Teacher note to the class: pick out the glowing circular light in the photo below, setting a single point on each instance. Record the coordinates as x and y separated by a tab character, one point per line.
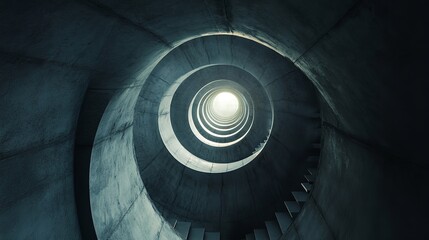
220	115
225	105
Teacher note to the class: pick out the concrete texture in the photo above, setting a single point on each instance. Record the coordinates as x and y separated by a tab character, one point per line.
232	202
69	66
118	197
37	137
261	122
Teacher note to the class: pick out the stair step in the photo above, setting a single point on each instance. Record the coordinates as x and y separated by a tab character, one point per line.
312	171
261	234
212	236
273	230
183	229
284	221
293	208
307	186
250	236
196	234
300	197
310	178
172	222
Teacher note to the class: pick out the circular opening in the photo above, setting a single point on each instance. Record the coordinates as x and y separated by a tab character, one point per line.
220	114
223	113
225	105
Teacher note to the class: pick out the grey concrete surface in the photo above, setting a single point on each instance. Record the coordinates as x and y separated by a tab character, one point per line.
37	137
368	59
249	195
118	197
184	95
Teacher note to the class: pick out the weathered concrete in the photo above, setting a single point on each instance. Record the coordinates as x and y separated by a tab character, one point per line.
119	203
37	137
249	195
368	59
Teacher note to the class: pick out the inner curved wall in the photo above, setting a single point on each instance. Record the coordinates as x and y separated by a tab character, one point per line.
116	185
357	53
245	197
192	143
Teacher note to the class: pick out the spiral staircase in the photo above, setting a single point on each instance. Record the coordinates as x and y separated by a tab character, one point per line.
273	229
114	124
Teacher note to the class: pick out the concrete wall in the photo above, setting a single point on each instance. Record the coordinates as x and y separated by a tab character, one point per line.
234	202
372	158
39	105
367	58
120	205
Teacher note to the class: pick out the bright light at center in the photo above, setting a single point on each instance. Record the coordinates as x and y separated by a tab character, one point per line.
225	104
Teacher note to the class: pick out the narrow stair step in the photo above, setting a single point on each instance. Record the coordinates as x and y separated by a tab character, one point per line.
212	236
293	208
273	230
284	221
196	234
250	236
312	171
300	197
173	222
310	178
307	186
261	234
183	229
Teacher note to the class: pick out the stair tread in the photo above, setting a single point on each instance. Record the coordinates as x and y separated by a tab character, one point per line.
261	234
310	178
284	221
293	208
183	229
273	229
212	236
307	186
312	171
173	222
300	197
196	234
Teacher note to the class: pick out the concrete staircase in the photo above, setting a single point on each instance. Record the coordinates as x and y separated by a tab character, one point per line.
275	228
186	231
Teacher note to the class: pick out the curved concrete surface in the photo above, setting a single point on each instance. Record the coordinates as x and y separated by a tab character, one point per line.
71	72
232	202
